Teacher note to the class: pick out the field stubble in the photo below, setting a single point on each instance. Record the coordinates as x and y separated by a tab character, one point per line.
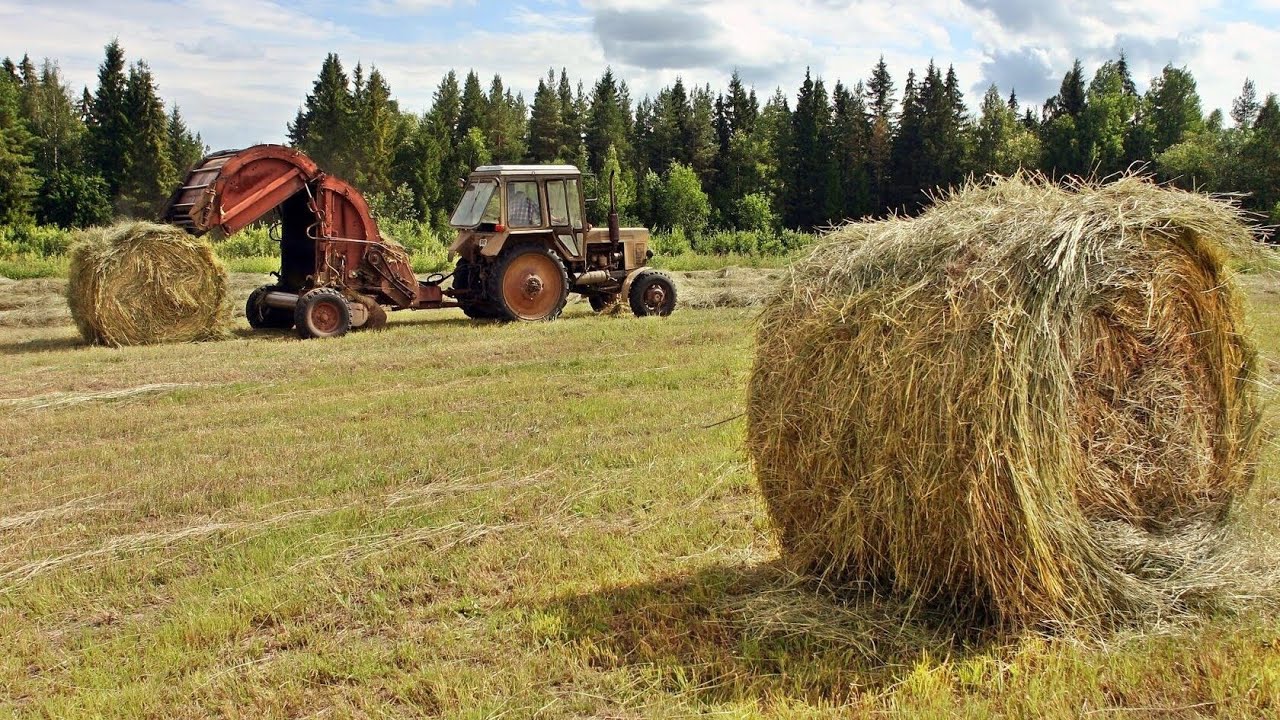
471	520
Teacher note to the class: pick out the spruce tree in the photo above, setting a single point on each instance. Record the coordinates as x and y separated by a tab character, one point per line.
850	141
1244	109
908	146
609	120
1110	111
1171	110
1066	142
323	127
376	125
150	176
185	149
879	93
108	124
506	123
474	111
809	169
17	177
546	128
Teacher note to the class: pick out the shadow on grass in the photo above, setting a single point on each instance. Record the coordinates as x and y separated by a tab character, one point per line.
757	632
42	345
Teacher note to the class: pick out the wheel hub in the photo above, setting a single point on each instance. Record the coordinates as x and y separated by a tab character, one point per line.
325	317
532	286
654	297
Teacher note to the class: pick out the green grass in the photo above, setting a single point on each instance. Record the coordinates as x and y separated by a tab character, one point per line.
472	520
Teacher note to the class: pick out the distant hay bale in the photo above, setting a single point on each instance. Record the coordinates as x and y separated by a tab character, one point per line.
1032	404
141	283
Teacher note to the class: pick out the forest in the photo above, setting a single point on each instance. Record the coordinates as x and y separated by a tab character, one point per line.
717	170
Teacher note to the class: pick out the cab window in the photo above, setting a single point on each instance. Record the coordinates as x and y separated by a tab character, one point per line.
575	205
523	208
558	203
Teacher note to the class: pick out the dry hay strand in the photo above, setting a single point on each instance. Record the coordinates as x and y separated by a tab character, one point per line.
1033	405
141	283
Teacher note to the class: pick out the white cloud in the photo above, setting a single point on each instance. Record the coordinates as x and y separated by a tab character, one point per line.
240	72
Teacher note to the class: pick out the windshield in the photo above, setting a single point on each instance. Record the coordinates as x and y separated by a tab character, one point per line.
475	201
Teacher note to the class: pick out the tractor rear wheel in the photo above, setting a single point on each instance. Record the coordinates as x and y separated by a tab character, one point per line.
264	317
652	293
529	283
322	313
602	301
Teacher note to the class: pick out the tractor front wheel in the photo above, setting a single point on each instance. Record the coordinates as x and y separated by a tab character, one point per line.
652	293
322	313
530	283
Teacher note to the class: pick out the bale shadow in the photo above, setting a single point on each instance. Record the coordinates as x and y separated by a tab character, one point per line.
42	345
759	633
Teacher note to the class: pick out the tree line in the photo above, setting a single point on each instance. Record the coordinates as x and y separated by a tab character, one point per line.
78	160
687	157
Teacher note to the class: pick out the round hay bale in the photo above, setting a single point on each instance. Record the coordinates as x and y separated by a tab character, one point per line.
1032	404
141	283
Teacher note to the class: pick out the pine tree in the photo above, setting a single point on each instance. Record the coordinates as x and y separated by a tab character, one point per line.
150	176
108	124
1260	158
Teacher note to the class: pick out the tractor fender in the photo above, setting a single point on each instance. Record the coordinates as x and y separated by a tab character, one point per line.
486	244
626	284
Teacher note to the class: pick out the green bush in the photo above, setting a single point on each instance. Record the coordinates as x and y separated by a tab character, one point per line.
251	242
44	241
672	243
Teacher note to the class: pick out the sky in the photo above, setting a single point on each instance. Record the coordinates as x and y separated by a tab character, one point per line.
239	71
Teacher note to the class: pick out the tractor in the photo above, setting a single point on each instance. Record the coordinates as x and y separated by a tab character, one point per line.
523	245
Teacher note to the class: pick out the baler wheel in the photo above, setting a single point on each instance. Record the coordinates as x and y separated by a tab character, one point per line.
264	317
322	313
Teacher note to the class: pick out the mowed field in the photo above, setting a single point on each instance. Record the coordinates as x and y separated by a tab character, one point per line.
475	520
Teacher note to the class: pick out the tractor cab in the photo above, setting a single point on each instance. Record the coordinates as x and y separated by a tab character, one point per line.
524	244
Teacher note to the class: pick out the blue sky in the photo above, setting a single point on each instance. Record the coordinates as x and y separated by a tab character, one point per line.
240	72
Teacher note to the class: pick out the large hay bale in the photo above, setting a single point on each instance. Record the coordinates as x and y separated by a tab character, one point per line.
141	283
1033	404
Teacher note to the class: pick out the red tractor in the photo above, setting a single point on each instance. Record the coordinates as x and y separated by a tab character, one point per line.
523	245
